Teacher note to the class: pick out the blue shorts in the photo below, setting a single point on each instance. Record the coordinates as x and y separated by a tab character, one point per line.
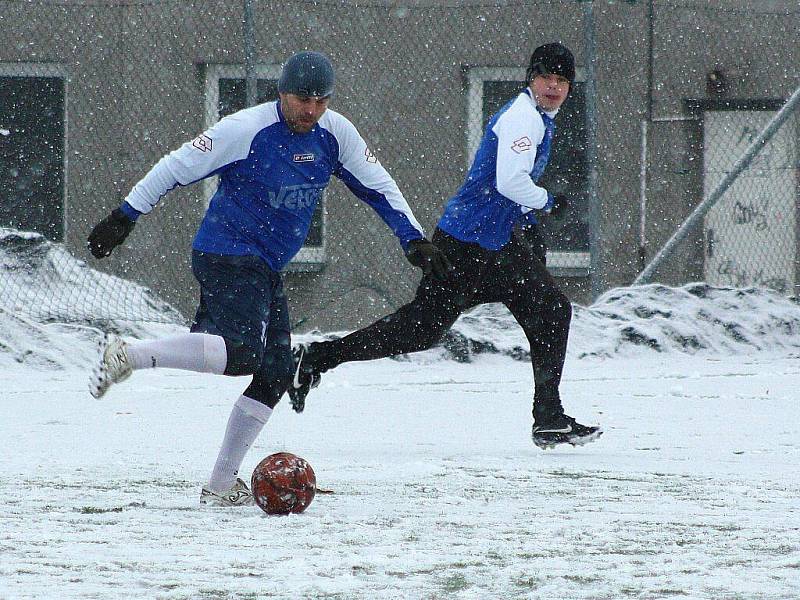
242	300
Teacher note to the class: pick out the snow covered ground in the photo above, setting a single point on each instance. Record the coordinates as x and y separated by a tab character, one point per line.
692	492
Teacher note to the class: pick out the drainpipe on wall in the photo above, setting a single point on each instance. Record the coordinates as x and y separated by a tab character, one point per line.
644	131
248	32
591	151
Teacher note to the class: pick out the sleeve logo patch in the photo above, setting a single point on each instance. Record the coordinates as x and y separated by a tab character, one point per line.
203	143
371	158
521	145
303	158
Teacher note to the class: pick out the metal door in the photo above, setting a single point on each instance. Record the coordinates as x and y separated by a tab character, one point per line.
750	234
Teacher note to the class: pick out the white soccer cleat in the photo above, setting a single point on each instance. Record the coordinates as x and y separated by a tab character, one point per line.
238	495
112	367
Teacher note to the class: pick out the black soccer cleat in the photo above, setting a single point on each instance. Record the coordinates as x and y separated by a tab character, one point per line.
563	429
305	378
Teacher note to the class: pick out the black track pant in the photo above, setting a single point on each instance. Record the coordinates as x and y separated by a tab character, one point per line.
515	275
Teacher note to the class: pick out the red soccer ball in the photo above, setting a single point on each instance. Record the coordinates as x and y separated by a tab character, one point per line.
283	483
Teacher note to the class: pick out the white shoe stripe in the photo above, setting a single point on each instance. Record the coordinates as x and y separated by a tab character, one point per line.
567	429
296	380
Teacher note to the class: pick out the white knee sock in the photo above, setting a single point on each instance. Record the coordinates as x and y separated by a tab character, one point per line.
199	352
247	419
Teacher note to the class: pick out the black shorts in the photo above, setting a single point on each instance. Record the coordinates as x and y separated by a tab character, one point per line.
242	300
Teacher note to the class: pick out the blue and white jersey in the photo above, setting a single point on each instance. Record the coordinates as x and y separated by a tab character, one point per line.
270	180
501	184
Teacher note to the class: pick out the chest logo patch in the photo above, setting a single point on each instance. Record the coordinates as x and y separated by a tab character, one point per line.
521	145
303	158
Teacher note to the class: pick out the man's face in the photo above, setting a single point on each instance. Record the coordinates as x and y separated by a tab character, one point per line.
549	91
303	112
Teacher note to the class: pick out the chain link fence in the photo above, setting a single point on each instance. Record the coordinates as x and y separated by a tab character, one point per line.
92	94
701	122
747	220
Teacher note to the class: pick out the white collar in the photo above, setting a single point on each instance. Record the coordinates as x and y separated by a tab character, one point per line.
550	113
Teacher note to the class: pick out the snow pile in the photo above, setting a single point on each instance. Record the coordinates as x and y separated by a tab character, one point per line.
42	280
690	319
53	309
24	341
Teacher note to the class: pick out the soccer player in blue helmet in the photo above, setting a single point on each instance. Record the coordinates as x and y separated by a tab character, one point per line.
492	262
273	162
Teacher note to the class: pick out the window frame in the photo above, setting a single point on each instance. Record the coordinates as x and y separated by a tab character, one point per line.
571	263
309	258
31	69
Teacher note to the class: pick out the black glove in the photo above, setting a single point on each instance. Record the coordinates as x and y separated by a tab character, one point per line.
558	212
110	233
423	254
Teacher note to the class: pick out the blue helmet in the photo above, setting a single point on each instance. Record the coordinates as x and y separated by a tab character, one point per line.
307	74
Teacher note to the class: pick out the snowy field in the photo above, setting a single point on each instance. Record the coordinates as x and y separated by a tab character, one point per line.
692	492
